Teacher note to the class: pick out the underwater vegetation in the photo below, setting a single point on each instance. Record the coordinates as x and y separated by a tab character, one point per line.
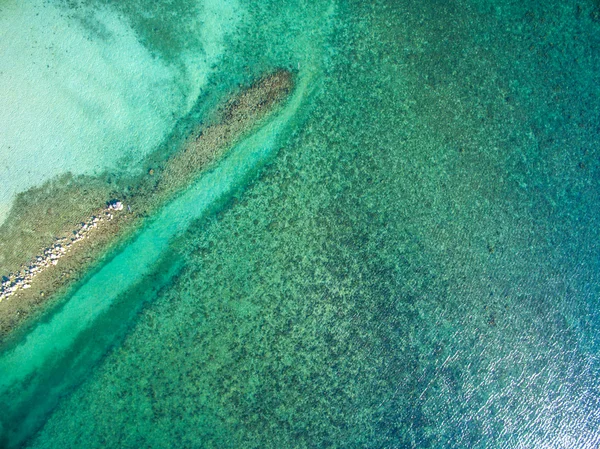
353	224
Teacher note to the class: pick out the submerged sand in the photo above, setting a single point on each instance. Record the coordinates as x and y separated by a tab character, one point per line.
57	232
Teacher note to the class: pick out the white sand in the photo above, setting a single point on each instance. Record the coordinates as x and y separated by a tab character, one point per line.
75	101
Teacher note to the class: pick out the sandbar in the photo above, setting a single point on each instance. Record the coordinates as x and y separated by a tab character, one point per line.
47	249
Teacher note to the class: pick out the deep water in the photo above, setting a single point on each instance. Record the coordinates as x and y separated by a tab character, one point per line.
411	260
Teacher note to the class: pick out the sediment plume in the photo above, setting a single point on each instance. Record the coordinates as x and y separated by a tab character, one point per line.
73	242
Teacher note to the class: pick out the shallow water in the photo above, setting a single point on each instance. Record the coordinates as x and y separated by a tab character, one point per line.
83	93
405	255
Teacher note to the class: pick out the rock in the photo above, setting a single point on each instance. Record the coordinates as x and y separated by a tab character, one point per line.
115	205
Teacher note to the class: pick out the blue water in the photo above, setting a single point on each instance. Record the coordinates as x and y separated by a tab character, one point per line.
405	255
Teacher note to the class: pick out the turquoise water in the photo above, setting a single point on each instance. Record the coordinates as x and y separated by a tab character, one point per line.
405	255
81	92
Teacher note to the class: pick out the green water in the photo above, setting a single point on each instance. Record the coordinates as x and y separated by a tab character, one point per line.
405	256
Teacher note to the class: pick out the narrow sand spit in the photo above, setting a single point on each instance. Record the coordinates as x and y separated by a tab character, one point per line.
68	253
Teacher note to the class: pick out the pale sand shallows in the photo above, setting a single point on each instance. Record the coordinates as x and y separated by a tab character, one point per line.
75	75
70	252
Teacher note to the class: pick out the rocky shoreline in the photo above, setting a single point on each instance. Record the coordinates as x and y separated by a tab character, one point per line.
21	280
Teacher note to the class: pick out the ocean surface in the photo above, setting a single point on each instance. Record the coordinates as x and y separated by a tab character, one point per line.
406	254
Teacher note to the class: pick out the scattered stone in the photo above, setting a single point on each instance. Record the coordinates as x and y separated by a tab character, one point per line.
115	205
50	256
